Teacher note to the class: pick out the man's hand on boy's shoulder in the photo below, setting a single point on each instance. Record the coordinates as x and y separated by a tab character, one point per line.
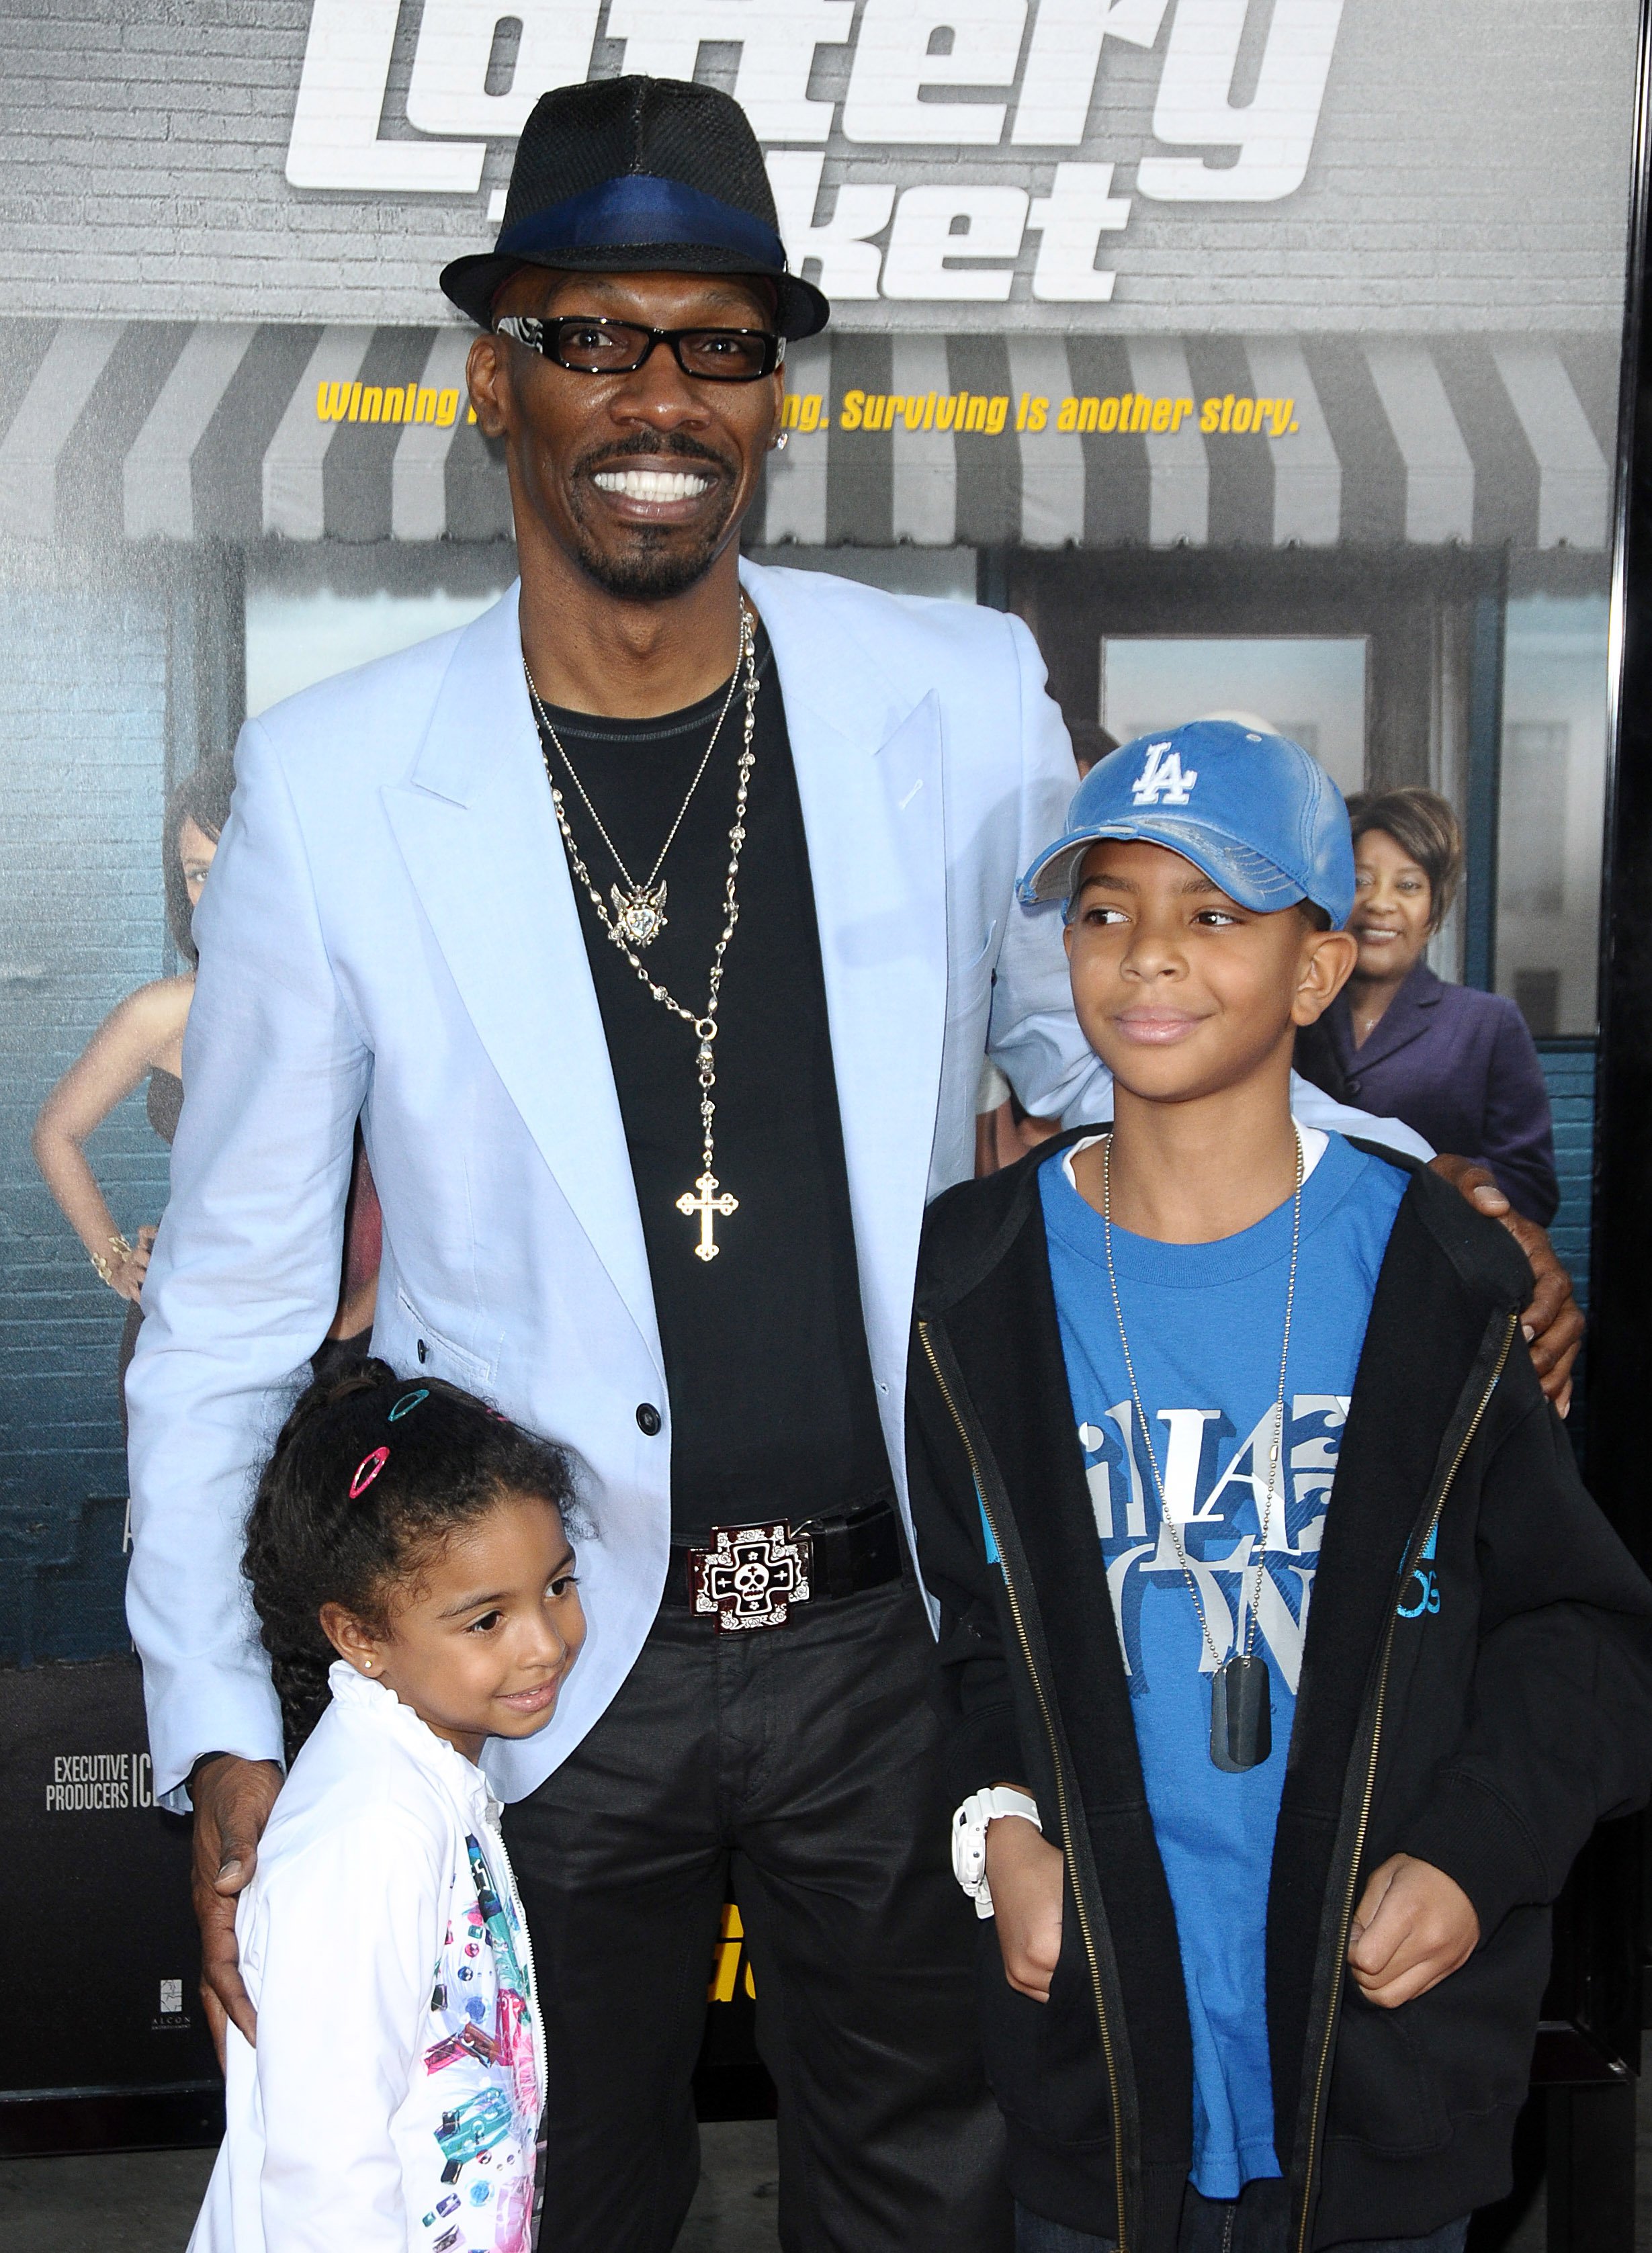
1024	1874
1553	1323
1414	1927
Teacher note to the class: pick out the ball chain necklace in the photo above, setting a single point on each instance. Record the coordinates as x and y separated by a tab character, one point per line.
708	1205
1241	1717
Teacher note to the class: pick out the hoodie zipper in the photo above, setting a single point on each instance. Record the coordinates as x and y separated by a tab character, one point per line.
1418	1544
1084	1927
541	2066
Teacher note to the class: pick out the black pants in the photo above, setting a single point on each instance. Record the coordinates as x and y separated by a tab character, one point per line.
794	1766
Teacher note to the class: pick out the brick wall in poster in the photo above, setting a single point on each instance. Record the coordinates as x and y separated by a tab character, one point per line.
1468	165
1568	1069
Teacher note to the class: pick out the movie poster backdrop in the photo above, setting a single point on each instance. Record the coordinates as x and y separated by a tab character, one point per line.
1263	354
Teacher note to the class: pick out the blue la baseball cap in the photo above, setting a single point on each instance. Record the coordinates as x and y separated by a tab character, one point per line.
1253	810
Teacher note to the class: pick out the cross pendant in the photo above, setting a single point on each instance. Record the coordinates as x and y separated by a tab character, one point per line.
705	1204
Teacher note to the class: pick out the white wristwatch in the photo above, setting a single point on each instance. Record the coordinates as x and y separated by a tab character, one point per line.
969	1837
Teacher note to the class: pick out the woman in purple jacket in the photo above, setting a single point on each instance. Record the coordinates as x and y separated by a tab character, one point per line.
1457	1064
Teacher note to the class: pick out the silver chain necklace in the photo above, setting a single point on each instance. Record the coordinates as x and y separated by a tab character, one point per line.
639	910
1241	1720
708	1205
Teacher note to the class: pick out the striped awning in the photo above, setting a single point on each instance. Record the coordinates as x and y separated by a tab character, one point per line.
155	430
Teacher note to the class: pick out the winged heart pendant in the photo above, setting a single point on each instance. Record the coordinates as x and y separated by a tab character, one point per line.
640	914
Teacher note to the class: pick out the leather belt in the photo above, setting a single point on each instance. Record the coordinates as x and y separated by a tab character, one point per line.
750	1576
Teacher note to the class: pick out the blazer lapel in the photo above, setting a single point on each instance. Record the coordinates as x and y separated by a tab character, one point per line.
476	828
867	755
1405	1019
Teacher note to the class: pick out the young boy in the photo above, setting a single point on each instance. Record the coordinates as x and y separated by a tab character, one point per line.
1270	1877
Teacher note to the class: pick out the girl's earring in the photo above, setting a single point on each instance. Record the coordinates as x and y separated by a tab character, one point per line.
782	441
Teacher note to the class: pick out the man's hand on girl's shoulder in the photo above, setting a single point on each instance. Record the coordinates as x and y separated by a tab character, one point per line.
232	1798
1553	1323
1414	1927
1024	1874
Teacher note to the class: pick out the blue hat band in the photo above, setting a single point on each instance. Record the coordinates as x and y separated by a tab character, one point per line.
1245	875
640	207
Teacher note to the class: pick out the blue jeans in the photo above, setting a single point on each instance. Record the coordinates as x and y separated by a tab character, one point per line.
1254	2222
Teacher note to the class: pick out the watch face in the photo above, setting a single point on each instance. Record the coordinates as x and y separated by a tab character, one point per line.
969	1845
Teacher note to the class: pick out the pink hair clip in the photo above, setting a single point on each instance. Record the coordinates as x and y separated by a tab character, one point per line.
367	1470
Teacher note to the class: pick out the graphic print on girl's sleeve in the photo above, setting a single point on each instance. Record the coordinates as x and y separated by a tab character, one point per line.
484	2055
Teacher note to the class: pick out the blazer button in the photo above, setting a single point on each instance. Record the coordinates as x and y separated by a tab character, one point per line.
424	1354
1352	1087
648	1419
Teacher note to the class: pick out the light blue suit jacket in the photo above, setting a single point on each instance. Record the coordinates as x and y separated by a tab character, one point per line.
391	930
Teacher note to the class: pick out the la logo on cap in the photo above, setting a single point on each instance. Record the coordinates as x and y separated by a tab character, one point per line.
1161	781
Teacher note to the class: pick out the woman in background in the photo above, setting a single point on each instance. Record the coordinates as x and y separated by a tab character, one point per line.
145	1034
1457	1064
142	1035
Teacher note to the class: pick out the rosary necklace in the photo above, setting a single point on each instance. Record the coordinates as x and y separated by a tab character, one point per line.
708	1206
639	910
1241	1716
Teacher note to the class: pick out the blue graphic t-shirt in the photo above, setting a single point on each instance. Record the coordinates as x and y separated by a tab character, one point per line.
1205	1324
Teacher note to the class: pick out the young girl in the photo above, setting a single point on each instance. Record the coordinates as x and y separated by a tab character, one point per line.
406	1553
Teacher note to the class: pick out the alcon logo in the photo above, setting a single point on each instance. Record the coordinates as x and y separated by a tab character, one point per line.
1240	84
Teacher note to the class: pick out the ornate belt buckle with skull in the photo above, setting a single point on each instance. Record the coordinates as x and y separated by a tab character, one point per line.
751	1575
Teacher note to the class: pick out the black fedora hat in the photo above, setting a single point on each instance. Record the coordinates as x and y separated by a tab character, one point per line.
638	176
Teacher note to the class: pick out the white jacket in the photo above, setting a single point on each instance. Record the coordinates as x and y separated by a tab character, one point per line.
393	2100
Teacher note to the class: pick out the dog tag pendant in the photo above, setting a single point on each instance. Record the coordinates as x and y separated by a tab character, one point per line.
1241	1715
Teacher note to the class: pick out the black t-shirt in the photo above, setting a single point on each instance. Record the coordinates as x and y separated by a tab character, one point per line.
774	1409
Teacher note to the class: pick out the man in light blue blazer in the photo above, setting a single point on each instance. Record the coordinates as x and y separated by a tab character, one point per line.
669	1217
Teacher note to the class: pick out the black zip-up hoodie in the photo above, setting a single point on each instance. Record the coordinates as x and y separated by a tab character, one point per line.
1487	1736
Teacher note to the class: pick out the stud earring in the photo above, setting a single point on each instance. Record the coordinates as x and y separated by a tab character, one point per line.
783	442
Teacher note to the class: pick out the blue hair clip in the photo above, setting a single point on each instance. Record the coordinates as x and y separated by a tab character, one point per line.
408	1400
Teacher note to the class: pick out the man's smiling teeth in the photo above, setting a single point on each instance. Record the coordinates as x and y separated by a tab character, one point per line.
652	485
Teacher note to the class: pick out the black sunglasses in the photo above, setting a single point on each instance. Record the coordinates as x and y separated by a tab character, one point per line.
589	347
